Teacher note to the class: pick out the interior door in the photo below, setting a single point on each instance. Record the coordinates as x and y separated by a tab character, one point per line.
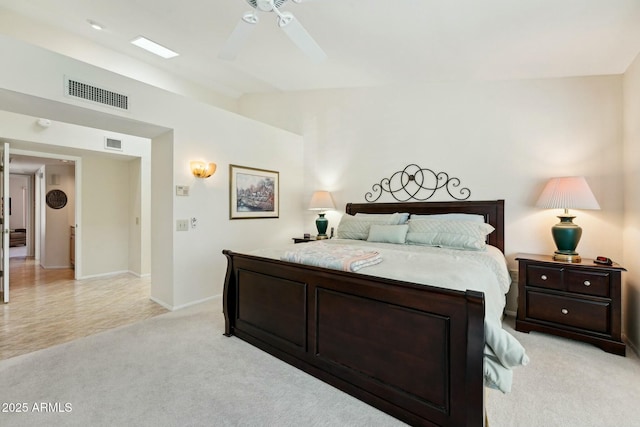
4	196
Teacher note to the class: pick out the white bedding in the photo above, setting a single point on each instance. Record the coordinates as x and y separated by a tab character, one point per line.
484	271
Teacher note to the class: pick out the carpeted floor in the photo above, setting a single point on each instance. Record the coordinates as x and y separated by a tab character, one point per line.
568	383
177	369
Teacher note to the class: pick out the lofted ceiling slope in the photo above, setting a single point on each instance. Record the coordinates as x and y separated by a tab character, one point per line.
368	43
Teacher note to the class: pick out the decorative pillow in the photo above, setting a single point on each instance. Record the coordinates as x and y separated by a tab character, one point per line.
388	233
394	218
357	227
468	235
351	227
452	217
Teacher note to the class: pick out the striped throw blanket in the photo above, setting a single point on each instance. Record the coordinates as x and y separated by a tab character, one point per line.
337	257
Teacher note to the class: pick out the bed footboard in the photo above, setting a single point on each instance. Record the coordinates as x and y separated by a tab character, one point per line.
413	351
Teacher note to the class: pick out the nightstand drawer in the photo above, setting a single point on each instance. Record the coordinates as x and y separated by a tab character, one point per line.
590	283
545	277
591	315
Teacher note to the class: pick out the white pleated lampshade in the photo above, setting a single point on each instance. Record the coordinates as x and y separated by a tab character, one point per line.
321	201
569	192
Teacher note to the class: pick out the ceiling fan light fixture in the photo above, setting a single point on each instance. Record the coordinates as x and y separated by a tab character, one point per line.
266	5
250	18
286	21
284	18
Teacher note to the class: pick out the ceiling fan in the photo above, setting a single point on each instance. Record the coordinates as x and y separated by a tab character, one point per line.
286	21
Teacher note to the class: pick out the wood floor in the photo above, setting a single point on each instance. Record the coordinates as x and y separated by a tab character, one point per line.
49	307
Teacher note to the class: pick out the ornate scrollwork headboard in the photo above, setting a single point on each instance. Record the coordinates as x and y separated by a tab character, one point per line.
416	183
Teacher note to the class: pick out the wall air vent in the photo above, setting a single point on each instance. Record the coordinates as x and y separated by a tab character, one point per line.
87	92
113	144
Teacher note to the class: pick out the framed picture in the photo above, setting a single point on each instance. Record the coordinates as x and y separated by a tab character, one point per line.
253	193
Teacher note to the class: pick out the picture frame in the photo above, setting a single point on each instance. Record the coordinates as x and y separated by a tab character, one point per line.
253	193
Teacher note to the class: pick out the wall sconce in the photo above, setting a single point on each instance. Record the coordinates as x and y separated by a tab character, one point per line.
202	169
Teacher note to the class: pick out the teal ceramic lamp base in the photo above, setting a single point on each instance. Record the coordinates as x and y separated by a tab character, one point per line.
321	224
566	235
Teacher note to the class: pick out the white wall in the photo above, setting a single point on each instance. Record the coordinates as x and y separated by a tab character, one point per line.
502	139
632	202
163	234
186	267
139	261
105	215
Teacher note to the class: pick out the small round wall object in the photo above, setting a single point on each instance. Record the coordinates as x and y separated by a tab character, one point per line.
56	199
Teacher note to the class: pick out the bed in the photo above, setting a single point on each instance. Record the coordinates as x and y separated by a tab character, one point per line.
422	363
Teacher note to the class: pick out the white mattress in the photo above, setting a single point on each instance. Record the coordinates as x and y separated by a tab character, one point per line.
484	271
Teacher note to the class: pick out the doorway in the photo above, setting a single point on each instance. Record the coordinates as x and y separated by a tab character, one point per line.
44	207
83	131
21	211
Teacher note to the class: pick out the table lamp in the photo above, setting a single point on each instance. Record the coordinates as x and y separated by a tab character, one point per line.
321	201
571	192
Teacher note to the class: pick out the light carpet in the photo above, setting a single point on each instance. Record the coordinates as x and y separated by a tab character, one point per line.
177	369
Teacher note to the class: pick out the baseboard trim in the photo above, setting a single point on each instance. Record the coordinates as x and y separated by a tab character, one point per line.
162	303
111	273
631	344
511	313
181	306
140	275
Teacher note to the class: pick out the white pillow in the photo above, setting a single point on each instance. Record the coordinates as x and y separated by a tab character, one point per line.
467	235
452	217
394	218
388	233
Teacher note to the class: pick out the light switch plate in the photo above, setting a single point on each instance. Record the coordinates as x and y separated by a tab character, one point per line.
182	225
182	190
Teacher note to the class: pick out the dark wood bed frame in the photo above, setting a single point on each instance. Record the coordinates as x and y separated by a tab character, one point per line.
412	351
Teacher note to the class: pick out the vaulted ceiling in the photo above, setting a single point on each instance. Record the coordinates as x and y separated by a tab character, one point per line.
367	42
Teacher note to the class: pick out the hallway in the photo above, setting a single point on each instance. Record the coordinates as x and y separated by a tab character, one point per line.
49	307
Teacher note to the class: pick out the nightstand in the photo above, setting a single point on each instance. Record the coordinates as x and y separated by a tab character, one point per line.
579	300
303	239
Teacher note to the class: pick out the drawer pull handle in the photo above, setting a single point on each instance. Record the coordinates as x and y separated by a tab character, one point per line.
564	311
587	283
543	277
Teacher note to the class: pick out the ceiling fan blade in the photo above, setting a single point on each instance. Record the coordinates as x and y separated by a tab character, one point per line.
296	32
239	36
